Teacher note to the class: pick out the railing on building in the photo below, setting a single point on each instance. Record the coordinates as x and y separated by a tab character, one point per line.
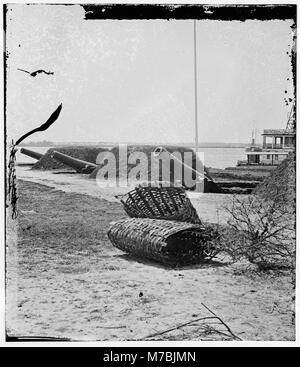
277	146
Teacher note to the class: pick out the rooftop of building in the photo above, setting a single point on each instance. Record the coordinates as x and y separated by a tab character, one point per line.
278	132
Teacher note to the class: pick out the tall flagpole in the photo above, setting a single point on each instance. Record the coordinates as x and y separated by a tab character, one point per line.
196	98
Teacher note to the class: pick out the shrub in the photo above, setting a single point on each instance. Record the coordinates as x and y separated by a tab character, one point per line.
263	231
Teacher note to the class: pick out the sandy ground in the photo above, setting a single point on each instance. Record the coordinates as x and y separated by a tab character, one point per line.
65	279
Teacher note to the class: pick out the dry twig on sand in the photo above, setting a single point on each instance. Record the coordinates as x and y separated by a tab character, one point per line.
222	322
209	329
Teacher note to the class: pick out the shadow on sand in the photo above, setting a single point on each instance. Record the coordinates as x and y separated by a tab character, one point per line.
149	262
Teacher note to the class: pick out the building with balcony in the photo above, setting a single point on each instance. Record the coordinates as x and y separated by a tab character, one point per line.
277	144
278	139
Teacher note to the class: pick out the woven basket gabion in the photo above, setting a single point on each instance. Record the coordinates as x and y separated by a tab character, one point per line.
168	242
170	203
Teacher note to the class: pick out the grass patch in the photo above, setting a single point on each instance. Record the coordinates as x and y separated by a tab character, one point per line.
69	225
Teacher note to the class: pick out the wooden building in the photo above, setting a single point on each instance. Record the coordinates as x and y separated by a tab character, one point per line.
277	143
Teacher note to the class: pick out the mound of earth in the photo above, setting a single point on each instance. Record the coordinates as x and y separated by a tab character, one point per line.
124	165
88	154
129	164
281	184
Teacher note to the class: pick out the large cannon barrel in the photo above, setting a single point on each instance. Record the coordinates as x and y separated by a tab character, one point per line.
77	164
204	182
31	153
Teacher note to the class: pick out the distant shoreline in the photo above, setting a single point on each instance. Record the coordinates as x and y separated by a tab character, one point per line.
201	145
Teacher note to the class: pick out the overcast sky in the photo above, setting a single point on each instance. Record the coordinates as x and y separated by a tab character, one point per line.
134	80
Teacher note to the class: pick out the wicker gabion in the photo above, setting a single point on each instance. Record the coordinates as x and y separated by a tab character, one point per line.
169	242
170	203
